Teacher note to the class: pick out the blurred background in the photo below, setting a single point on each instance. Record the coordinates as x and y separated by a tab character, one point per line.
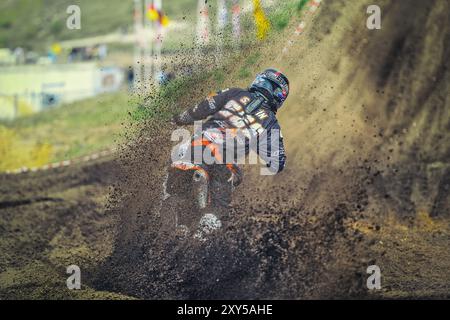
66	90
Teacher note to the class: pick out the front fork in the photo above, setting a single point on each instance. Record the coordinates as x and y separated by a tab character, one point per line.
209	220
201	188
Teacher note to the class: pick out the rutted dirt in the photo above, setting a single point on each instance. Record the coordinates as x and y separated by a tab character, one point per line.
367	182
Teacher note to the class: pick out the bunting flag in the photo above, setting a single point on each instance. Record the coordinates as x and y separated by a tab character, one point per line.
222	15
203	23
261	21
222	19
164	21
155	15
236	21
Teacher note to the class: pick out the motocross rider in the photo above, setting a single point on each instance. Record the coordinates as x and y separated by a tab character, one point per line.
249	111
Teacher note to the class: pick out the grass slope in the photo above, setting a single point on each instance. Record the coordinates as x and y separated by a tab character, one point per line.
37	23
71	131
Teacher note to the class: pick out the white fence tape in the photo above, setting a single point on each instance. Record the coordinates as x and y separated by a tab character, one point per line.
65	163
312	8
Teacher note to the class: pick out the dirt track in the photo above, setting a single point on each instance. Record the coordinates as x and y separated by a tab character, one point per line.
367	182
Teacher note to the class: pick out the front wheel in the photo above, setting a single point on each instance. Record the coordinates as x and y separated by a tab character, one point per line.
196	201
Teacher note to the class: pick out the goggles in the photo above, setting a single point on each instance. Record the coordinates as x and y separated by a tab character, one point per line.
280	94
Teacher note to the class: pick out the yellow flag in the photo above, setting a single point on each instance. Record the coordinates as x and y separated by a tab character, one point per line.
165	21
261	21
152	15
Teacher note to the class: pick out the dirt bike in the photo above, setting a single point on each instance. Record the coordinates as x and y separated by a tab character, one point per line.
197	196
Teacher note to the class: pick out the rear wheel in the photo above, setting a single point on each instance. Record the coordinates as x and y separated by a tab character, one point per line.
196	201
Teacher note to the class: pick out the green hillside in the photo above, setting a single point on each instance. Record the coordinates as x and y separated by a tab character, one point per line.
67	132
36	23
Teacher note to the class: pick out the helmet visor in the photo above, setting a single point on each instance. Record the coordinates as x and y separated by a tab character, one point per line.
280	94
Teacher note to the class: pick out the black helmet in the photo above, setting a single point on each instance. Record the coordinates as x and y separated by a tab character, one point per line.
273	85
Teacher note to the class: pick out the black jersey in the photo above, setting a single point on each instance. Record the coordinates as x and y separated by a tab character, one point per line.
228	109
